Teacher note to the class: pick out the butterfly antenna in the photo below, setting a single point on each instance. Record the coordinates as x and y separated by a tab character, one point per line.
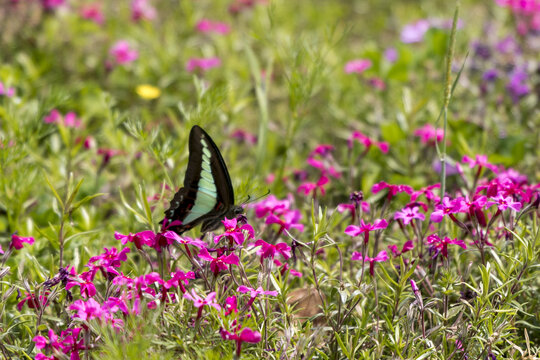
248	200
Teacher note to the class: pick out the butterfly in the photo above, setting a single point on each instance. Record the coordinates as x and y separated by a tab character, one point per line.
207	195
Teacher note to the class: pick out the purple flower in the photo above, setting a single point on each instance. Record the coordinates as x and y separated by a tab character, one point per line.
490	75
414	32
123	53
391	54
408	214
517	86
357	66
202	64
52	4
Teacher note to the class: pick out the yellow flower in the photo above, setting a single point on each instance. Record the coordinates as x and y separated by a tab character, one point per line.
148	92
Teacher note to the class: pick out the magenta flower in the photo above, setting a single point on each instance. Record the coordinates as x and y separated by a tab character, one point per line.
108	261
32	301
272	205
234	232
307	187
179	279
254	293
393	190
142	10
287	220
50	344
123	53
202	64
408	214
69	120
84	281
368	142
440	246
93	12
381	257
6	91
139	239
408	246
414	32
220	263
18	242
270	250
1	250
244	137
246	335
365	228
88	310
448	207
285	267
52	4
199	302
427	191
504	202
231	305
357	66
480	161
208	26
428	134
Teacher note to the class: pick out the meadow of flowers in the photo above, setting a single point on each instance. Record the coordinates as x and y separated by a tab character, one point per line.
386	155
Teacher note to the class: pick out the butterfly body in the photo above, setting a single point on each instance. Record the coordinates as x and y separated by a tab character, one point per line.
207	195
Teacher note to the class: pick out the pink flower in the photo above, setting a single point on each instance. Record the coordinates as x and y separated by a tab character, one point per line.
246	335
254	293
365	228
480	161
93	12
220	263
6	91
408	214
139	239
393	190
357	66
18	242
123	53
235	233
52	4
287	220
414	32
307	187
1	250
408	246
427	191
428	134
269	250
202	64
504	202
32	301
208	26
108	261
84	281
69	120
447	207
199	302
244	137
440	246
142	10
368	142
381	257
231	305
88	310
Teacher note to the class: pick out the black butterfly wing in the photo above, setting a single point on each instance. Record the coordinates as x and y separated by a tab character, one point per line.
207	194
